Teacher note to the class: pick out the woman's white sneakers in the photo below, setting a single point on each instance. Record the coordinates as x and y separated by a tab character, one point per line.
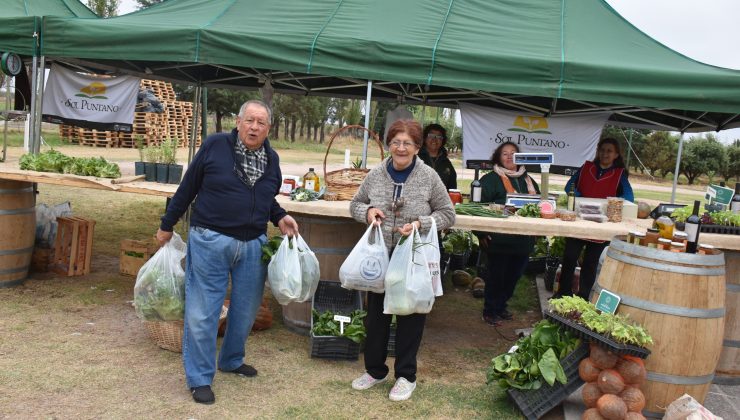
401	391
366	381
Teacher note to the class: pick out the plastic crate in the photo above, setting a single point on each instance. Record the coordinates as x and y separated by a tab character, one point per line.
535	403
588	335
330	296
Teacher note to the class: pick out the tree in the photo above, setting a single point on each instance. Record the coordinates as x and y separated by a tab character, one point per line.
659	153
701	156
224	102
731	166
104	8
143	4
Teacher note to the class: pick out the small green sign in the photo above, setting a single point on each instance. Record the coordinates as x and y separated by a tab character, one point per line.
722	195
607	301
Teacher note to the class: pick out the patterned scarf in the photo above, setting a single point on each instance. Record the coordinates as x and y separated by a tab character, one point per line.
253	162
506	173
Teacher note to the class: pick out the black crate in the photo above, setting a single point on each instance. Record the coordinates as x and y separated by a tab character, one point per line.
591	336
535	265
721	229
535	403
330	296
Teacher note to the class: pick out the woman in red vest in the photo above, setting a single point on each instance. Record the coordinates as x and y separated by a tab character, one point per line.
605	177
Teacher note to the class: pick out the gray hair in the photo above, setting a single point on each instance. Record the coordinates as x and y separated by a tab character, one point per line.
256	102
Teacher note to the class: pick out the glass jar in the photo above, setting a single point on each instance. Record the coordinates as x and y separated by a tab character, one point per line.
678	247
665	226
679	236
664	244
639	238
651	237
631	236
455	196
706	249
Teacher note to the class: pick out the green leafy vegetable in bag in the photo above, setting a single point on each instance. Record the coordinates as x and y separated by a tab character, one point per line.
324	324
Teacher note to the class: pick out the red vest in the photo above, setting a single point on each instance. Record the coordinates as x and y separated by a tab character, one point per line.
603	187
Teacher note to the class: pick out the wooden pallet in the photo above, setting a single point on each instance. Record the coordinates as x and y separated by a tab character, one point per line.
73	246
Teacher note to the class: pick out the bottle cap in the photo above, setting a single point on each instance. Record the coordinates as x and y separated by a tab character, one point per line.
664	240
652	230
680	234
310	169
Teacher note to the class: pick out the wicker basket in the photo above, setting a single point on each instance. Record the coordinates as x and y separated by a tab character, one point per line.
168	334
345	182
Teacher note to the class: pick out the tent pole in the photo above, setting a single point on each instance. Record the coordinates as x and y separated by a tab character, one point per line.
194	129
367	122
629	148
7	115
32	112
37	131
678	164
204	114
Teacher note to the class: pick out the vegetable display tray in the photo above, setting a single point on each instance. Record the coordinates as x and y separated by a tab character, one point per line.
608	343
535	403
330	296
721	229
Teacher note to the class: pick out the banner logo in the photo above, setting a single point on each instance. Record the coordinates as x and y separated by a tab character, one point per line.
94	90
529	124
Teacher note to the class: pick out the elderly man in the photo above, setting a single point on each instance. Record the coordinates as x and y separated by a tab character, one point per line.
235	177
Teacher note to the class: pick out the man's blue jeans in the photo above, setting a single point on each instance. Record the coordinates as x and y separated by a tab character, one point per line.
211	258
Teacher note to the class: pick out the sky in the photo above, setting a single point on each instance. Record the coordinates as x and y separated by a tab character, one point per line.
707	30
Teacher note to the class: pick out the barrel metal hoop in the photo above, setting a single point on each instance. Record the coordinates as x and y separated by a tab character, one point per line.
657	254
700	271
12	283
17	251
680	380
734	288
16	191
332	251
14	270
720	379
319	221
662	308
17	211
731	343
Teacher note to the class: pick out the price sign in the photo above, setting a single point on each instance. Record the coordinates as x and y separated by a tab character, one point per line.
342	319
607	301
722	195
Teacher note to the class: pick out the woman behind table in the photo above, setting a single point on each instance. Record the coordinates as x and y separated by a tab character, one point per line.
507	254
398	193
434	154
605	177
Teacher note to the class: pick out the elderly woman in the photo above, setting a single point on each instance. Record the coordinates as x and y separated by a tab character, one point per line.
434	154
398	193
507	254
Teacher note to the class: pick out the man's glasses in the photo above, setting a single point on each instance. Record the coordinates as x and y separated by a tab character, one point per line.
435	137
406	144
397	205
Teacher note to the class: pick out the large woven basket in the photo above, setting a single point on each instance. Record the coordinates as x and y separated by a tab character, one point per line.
168	334
345	182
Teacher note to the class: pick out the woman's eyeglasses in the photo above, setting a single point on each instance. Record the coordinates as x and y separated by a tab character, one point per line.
435	137
406	144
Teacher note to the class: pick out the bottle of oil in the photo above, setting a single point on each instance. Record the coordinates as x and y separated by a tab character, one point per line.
665	225
311	181
572	197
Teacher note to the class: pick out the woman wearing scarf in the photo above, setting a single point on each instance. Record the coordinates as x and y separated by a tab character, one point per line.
507	254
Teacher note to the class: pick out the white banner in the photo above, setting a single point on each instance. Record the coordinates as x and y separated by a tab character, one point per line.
572	139
90	101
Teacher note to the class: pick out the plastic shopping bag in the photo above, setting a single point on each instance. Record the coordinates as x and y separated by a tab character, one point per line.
310	272
159	292
366	265
431	252
408	282
284	272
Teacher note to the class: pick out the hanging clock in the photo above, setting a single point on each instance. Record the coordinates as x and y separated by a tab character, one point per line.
11	64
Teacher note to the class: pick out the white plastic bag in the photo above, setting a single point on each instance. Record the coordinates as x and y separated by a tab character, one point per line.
284	272
310	271
431	252
366	265
408	282
46	222
159	292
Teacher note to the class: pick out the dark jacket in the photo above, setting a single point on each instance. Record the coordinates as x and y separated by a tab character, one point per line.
493	191
442	165
225	202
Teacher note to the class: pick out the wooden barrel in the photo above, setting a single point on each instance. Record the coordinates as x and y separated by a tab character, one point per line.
679	298
728	368
331	239
18	227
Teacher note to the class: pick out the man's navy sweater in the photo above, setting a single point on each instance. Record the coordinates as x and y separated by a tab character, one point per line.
225	202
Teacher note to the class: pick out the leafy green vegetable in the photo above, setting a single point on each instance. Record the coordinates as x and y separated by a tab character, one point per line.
53	161
529	210
536	358
324	324
160	297
302	194
270	248
480	210
458	241
617	327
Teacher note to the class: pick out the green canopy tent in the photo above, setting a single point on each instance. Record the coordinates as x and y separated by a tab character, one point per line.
547	58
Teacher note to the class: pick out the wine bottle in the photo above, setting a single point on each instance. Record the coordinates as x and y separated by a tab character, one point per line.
693	223
475	189
735	203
